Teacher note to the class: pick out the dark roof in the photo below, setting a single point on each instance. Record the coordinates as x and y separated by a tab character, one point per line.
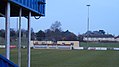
117	37
100	36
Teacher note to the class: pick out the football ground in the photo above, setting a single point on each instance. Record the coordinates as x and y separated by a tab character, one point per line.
67	58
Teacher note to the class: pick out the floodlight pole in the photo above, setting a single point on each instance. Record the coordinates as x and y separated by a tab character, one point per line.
7	33
88	21
29	40
19	39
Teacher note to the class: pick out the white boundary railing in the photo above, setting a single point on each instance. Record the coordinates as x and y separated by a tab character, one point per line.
65	47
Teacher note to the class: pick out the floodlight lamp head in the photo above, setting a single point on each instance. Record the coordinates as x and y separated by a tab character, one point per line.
87	5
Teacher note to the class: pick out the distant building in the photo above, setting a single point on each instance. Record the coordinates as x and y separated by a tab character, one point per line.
101	38
117	38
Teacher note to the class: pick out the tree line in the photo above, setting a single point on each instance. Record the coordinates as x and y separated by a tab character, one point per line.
54	33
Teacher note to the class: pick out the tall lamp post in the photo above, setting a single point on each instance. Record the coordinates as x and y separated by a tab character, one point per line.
88	21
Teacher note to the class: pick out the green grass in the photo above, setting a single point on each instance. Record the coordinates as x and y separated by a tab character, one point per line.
68	58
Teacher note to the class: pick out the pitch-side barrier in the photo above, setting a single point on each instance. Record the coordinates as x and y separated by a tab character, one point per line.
96	48
53	47
70	47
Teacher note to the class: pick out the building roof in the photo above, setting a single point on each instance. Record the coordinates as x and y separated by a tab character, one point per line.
100	36
117	37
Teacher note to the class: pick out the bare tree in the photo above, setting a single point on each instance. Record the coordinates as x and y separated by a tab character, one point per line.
56	26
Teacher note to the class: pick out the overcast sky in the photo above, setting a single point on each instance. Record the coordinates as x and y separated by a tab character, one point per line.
104	15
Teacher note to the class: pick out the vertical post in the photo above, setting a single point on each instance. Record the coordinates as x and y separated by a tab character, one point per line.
88	20
7	33
29	40
19	39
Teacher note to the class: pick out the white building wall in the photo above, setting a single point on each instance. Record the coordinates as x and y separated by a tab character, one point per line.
100	39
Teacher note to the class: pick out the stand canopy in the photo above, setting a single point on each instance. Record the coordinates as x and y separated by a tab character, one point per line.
36	7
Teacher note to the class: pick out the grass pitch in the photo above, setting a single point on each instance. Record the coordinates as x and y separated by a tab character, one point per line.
67	58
